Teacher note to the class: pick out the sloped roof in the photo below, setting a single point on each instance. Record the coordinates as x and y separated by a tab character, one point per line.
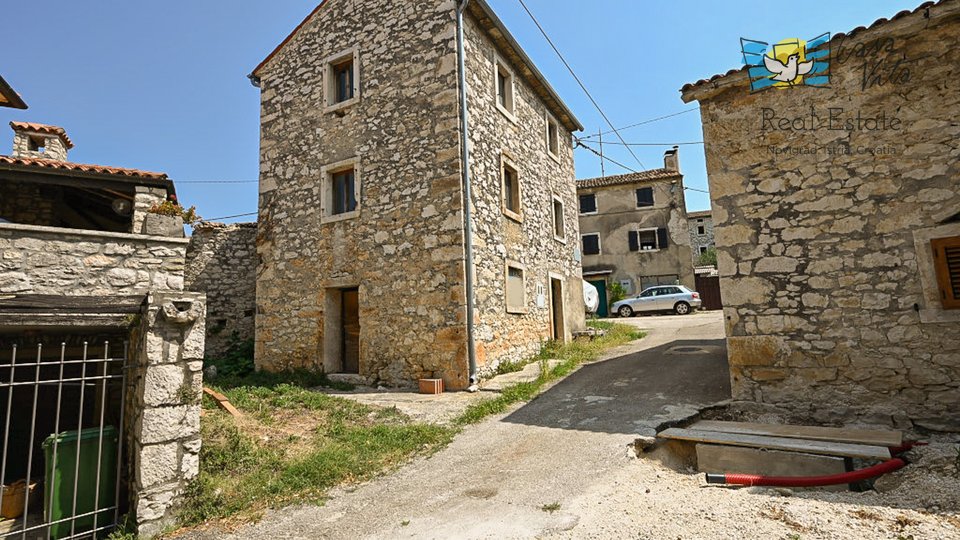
9	97
44	128
652	175
501	37
836	37
700	214
80	167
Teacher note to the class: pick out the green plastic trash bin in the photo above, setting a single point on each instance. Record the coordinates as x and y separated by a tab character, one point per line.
60	474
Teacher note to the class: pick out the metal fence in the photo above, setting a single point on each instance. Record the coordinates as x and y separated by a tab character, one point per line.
62	457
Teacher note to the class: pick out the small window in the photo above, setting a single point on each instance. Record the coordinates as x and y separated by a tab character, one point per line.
344	199
553	137
648	240
591	244
703	249
342	84
37	144
343	79
946	261
511	190
701	230
588	203
516	292
645	197
504	89
558	232
341	191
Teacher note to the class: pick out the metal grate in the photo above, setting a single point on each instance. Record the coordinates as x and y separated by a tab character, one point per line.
75	398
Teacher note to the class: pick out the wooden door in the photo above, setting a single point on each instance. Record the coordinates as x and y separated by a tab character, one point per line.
709	289
351	331
601	285
556	308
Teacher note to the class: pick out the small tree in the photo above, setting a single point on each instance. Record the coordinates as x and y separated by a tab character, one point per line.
708	257
615	293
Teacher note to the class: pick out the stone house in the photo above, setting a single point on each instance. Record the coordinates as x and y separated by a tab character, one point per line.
701	233
384	211
9	97
837	221
633	230
97	335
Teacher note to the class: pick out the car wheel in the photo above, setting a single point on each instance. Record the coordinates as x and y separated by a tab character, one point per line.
682	308
625	311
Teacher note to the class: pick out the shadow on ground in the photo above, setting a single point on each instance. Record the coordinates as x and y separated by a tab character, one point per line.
633	392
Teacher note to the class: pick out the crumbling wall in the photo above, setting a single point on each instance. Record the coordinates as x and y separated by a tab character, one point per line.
222	264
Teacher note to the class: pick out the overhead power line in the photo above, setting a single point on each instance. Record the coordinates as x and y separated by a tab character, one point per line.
580	82
603	157
652	120
231	217
656	144
216	181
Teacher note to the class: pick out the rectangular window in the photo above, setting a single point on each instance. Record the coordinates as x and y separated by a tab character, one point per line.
344	199
591	244
504	86
553	137
648	239
511	190
701	230
588	203
340	196
516	293
946	261
341	80
703	249
656	281
645	197
558	232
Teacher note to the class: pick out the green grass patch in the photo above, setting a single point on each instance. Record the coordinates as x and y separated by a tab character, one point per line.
570	356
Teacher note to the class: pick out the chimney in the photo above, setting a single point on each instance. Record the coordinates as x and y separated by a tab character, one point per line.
671	159
40	141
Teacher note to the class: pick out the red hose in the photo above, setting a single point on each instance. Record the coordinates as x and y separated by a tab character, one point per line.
808	481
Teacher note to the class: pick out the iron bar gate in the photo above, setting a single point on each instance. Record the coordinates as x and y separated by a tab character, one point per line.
66	457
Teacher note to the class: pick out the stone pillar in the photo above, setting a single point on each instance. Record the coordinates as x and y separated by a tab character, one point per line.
144	199
164	407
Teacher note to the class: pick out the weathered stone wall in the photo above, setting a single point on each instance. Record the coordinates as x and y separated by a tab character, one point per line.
164	391
28	204
617	215
700	242
404	249
54	148
222	264
503	336
46	260
823	234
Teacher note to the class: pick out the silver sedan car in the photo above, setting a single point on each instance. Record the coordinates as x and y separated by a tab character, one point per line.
675	298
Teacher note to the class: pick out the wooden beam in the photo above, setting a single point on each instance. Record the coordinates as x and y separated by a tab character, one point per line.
10	321
55	304
223	402
875	437
778	443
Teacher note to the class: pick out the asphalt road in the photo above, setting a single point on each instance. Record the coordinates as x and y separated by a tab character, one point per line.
496	478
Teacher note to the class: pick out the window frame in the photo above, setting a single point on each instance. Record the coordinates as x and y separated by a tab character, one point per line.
507	266
656	239
653	199
596	206
553	140
562	237
507	163
509	107
599	244
942	271
330	86
328	173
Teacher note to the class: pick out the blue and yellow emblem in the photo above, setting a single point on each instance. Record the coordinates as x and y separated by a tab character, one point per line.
791	62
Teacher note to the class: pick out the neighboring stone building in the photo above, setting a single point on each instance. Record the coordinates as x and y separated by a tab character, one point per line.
701	233
100	307
838	226
364	259
222	264
633	230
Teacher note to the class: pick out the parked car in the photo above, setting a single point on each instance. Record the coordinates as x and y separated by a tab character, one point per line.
675	298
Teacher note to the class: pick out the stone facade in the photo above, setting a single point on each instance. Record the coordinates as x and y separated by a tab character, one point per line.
48	260
222	264
701	233
404	245
163	396
609	208
41	142
825	201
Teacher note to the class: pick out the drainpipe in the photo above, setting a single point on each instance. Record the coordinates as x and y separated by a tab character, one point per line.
467	196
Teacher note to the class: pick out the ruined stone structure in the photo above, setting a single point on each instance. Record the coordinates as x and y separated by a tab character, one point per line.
826	203
633	229
222	264
361	236
701	233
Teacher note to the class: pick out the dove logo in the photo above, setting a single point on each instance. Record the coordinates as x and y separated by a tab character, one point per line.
787	64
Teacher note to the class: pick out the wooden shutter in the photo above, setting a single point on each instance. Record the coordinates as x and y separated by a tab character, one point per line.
588	204
634	241
946	261
644	197
663	239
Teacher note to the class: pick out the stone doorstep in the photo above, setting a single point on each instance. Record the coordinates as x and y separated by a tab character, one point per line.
529	373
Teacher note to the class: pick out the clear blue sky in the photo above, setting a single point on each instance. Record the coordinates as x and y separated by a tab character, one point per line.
162	85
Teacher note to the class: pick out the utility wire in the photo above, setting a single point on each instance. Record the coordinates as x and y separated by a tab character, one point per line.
656	144
582	86
231	217
652	120
216	181
601	156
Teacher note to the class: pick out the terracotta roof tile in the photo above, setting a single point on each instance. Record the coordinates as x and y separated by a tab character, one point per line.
700	214
651	175
80	167
43	128
835	37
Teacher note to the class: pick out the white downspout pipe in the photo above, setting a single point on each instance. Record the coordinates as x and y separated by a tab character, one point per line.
467	194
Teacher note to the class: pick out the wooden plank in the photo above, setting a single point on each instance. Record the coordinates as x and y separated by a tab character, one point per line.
872	437
778	443
223	402
9	321
42	303
741	460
